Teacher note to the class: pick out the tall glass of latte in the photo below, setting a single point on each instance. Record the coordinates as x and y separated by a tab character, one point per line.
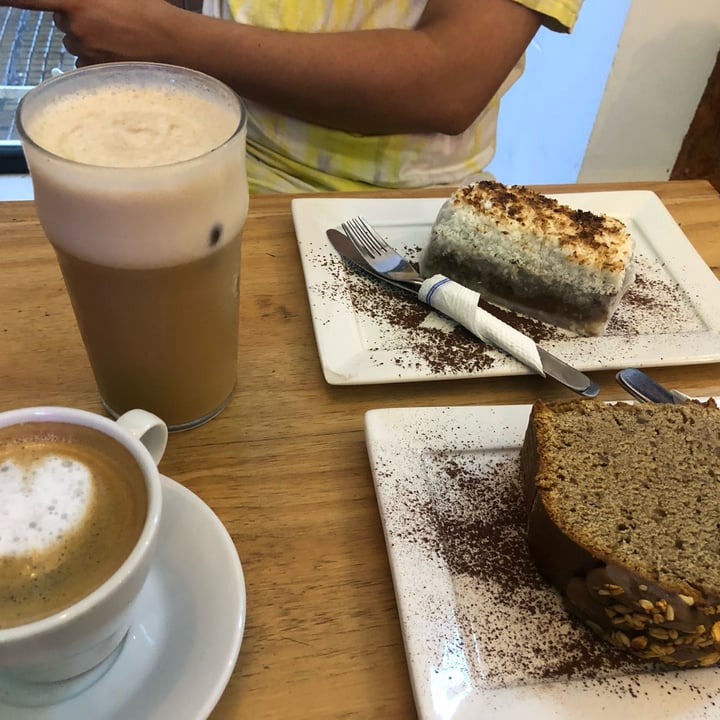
140	185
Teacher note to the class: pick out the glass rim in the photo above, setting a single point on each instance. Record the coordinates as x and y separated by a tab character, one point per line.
107	67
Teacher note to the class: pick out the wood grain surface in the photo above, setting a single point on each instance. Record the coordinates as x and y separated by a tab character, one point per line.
285	465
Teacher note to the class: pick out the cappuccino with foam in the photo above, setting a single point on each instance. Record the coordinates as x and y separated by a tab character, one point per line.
139	177
73	503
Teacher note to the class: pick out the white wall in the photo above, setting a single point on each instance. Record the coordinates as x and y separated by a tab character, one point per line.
665	55
16	187
546	118
578	114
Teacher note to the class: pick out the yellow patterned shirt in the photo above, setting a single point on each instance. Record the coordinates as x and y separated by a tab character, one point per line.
288	155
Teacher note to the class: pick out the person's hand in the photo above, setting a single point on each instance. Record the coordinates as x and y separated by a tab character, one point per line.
110	30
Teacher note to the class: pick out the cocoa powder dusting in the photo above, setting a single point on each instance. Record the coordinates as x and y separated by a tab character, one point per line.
575	228
514	629
427	342
651	300
443	348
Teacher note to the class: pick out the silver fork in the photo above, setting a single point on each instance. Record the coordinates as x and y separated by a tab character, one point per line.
387	263
379	254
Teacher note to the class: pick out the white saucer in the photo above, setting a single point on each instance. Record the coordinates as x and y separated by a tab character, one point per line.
190	616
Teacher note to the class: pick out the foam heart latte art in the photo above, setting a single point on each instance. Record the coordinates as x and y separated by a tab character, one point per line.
41	503
73	504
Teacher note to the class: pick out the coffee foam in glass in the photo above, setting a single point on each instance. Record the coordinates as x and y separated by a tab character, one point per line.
140	185
156	148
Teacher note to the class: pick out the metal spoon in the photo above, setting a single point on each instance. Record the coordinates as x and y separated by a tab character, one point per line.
641	386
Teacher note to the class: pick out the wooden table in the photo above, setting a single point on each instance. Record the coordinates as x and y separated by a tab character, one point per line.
285	465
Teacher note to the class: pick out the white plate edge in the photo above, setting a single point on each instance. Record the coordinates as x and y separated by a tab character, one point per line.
312	216
238	577
383	423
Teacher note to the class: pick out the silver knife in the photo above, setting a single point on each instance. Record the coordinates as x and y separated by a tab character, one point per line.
554	367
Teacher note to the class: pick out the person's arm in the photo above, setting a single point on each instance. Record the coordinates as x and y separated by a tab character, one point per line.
436	77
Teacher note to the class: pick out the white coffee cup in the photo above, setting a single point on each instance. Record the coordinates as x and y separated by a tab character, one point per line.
45	659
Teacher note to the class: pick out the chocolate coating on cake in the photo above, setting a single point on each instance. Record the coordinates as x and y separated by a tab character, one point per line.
675	625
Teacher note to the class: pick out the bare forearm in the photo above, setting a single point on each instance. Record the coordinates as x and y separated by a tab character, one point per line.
363	82
437	77
371	82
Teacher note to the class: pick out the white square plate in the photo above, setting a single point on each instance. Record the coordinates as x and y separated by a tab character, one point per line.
484	635
367	332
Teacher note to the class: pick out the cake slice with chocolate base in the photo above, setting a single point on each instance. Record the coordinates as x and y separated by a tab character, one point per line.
624	520
531	254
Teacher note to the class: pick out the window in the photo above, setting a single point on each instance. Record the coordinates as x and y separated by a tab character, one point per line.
31	50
